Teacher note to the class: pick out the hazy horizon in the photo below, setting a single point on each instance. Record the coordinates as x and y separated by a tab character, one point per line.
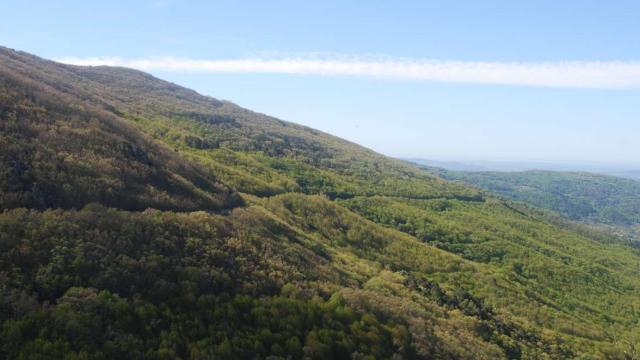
629	171
524	161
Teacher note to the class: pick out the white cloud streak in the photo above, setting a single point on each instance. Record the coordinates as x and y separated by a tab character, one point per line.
567	74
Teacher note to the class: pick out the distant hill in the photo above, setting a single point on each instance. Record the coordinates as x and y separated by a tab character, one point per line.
630	174
579	196
142	220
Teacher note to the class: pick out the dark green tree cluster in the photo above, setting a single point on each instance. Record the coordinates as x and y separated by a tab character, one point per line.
107	284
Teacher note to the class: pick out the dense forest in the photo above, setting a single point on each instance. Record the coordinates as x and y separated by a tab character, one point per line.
141	220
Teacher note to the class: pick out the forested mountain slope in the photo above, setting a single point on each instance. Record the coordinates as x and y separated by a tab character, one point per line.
143	220
61	150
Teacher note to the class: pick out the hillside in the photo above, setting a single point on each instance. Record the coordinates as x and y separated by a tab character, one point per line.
587	197
143	220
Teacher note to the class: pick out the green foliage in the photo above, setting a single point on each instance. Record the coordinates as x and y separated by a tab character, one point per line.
333	251
179	284
558	267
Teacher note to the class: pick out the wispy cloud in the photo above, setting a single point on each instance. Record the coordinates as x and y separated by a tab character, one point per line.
569	74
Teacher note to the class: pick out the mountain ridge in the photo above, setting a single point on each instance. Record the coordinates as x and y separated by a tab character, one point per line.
314	246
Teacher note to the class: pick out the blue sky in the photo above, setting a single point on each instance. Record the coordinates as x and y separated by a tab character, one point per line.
583	111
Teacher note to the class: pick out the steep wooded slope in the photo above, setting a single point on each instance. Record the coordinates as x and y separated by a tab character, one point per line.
333	250
59	149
